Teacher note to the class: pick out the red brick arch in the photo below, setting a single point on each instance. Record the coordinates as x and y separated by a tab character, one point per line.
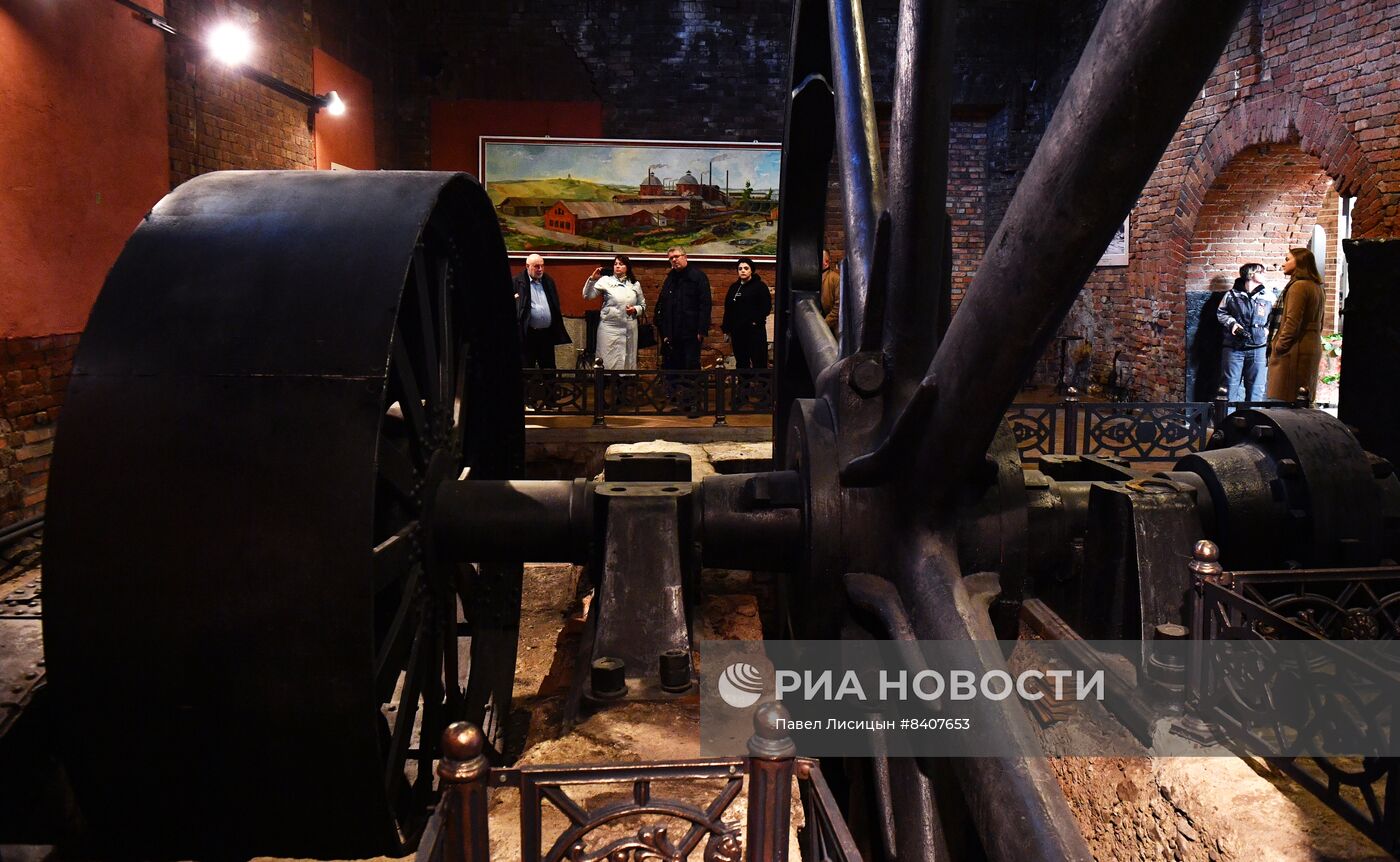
1165	224
1279	118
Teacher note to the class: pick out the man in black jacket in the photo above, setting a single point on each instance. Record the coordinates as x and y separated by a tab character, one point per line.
537	310
1244	317
682	313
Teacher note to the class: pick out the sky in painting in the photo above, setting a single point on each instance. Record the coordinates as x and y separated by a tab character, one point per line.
627	165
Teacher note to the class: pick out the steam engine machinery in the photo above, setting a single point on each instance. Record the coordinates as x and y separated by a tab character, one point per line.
287	519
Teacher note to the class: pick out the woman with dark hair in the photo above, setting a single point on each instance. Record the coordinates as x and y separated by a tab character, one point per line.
1296	348
746	309
623	302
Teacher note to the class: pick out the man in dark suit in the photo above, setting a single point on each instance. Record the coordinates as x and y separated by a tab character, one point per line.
537	309
682	313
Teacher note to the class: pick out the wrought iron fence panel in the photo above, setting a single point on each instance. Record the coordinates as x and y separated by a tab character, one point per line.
748	390
1319	606
660	393
1144	431
824	835
1036	427
561	391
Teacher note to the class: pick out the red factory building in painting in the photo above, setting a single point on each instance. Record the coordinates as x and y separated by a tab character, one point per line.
587	218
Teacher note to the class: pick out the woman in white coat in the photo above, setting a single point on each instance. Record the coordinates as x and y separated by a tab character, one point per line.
623	303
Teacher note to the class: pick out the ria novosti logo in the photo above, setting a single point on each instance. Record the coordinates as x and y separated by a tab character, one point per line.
741	685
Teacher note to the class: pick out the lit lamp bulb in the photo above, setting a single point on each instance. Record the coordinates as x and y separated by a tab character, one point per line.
334	106
230	44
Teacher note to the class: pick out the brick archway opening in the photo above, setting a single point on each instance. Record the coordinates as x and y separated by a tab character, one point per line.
1267	200
1166	224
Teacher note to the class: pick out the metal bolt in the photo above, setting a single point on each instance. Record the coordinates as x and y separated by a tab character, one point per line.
675	671
868	375
1262	433
1238	422
608	678
1288	468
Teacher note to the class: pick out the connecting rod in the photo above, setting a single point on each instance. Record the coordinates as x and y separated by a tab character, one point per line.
862	182
1143	66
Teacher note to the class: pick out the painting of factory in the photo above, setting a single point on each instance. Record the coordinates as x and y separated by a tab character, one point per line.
575	197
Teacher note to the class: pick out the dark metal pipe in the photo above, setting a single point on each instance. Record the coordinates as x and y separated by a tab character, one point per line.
20	529
818	344
858	148
1143	66
751	521
536	521
917	187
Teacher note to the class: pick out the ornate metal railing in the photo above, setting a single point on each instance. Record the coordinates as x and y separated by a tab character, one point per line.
637	824
600	393
1241	702
1132	430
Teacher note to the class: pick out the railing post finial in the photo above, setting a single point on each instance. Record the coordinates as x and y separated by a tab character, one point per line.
770	764
1205	561
464	771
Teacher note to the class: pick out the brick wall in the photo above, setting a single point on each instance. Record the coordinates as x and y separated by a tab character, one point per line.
33	374
217	119
967	199
1265	202
1328	220
220	120
1315	75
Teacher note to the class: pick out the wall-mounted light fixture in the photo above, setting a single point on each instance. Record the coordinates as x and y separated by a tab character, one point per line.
232	45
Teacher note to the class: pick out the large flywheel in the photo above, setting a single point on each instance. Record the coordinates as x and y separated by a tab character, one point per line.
251	643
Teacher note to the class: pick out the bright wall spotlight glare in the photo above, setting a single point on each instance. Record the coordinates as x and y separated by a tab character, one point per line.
230	44
334	106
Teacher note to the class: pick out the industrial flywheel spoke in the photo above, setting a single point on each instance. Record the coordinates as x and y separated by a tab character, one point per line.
409	396
426	286
448	384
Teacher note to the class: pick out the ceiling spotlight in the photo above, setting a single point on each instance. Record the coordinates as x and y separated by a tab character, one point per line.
334	106
230	44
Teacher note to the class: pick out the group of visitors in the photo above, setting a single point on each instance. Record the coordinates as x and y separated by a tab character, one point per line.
681	315
1272	347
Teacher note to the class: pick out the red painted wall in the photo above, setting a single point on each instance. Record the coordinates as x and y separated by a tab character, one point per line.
84	149
456	128
348	139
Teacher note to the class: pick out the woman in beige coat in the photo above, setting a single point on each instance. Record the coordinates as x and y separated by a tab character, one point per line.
1296	348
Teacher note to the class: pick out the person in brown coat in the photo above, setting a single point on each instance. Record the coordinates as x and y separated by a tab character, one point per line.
831	291
1297	346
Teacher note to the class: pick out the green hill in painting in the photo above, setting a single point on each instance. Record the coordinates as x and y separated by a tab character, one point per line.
558	188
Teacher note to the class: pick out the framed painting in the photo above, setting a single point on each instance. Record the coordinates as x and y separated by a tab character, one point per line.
592	197
1117	252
